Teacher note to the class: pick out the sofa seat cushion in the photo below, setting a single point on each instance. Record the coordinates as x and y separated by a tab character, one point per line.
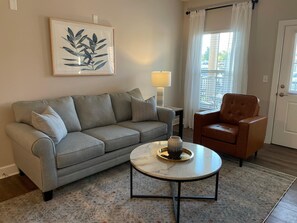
221	131
114	136
148	130
77	147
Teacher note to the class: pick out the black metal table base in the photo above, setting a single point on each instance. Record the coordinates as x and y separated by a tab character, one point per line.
176	198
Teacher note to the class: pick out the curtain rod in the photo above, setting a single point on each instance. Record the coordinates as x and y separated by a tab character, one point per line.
229	4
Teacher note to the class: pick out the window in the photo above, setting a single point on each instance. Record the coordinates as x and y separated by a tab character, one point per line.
293	79
215	79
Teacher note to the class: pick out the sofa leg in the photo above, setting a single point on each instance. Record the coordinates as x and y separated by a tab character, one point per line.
256	153
240	162
21	173
47	195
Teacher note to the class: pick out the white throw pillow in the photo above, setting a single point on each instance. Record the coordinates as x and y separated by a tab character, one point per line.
144	110
50	123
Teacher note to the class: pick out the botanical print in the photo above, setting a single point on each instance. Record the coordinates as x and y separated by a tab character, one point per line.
86	49
81	48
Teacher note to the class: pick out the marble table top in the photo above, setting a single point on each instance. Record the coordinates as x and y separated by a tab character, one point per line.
204	163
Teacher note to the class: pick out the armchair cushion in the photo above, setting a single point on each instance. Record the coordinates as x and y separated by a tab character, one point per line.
236	107
221	131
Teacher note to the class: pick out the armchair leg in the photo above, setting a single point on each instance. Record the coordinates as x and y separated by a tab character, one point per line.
240	162
256	153
47	195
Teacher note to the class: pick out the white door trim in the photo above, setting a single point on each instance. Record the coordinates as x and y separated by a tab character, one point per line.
275	78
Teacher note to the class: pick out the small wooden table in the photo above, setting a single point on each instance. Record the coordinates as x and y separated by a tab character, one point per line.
205	163
180	113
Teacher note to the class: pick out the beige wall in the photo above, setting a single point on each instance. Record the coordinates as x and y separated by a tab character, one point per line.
265	20
147	38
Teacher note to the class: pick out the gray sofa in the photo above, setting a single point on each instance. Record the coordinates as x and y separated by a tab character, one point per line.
100	135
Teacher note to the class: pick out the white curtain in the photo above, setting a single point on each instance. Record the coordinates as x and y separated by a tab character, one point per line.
193	70
240	26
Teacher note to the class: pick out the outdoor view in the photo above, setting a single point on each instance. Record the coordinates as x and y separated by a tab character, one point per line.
215	80
293	79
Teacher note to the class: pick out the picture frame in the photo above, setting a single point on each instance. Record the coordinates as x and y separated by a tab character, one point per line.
81	49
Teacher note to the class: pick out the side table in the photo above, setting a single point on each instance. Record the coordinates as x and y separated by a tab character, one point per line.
180	113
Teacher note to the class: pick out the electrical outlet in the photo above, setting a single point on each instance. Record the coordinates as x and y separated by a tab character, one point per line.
13	4
95	19
265	78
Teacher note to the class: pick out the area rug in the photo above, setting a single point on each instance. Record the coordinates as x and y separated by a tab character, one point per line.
246	194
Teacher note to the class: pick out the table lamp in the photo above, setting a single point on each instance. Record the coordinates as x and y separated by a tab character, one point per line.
161	79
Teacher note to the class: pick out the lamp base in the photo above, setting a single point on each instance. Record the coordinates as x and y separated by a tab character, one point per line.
160	96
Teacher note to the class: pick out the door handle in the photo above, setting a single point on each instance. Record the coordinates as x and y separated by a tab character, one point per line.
282	94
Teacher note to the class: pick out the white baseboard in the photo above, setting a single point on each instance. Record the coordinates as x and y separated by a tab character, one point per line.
9	170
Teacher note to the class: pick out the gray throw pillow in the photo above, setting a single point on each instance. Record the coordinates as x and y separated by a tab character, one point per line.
121	103
144	110
64	106
50	123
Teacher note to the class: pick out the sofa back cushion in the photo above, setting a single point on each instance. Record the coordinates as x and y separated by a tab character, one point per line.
94	110
23	110
64	106
121	103
236	107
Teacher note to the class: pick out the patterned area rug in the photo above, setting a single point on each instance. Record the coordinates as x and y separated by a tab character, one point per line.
246	194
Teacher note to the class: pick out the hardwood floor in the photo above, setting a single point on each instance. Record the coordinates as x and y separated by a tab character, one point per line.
271	156
15	186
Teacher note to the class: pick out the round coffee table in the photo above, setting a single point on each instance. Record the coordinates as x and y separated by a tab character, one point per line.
205	163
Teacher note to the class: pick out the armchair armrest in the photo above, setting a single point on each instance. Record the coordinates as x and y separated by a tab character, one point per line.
202	119
166	115
34	153
251	135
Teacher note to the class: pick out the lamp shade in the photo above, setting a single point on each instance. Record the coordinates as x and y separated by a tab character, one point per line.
161	78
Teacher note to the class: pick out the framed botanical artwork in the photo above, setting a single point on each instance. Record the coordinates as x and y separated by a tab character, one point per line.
81	48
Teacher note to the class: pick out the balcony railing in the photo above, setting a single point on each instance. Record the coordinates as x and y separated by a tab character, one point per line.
213	85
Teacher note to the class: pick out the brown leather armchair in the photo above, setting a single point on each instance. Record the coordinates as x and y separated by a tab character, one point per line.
236	129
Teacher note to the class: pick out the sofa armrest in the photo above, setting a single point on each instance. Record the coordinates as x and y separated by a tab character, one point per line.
29	138
34	153
166	115
202	119
251	135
